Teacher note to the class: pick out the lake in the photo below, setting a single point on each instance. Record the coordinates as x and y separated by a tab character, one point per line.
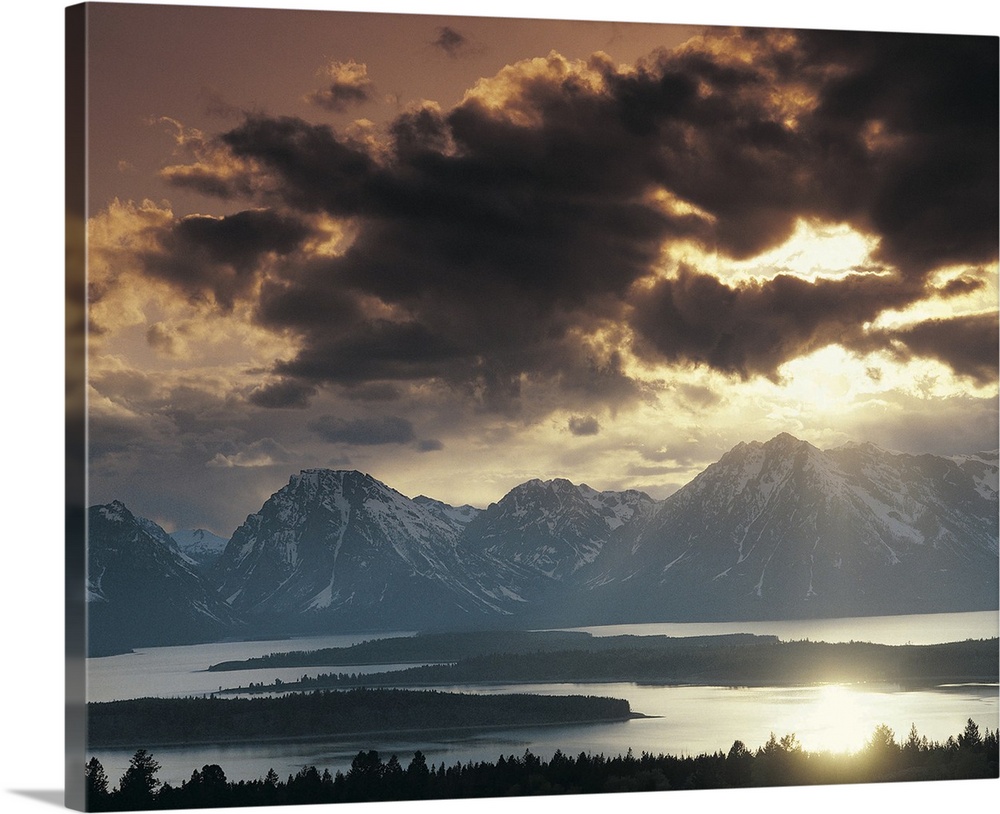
683	719
170	672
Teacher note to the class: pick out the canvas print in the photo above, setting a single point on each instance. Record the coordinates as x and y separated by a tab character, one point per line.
481	407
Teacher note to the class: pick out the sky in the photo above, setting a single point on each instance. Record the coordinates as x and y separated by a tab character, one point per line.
31	328
458	253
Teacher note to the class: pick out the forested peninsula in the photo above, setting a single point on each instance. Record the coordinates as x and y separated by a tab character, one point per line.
162	721
725	662
450	647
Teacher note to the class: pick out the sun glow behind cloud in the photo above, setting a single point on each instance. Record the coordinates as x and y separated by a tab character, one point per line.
982	297
832	382
813	250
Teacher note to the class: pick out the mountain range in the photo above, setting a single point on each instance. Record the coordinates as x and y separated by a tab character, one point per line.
776	530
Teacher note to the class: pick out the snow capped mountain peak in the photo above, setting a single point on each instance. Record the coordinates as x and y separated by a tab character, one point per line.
327	479
194	536
342	541
115	512
539	485
201	546
789	527
784	440
544	531
785	444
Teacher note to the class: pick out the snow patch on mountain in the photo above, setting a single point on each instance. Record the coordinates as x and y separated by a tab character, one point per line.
983	468
113	512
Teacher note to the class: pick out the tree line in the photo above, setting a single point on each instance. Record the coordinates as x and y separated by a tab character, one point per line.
717	662
780	761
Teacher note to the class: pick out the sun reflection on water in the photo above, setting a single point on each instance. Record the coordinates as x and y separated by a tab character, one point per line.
837	720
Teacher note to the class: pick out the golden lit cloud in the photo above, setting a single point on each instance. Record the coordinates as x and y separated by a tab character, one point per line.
814	250
348	85
517	92
116	238
152	328
206	166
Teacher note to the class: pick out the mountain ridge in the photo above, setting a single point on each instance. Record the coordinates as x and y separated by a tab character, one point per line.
784	529
776	529
141	591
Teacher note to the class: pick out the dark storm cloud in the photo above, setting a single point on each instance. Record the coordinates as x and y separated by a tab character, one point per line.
304	295
419	134
374	391
318	171
338	97
204	256
497	253
450	41
967	344
363	431
429	445
894	133
584	425
207	180
500	237
372	350
753	328
283	394
961	285
929	186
